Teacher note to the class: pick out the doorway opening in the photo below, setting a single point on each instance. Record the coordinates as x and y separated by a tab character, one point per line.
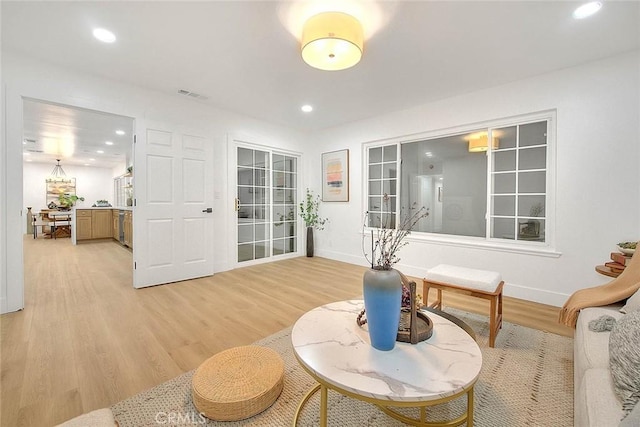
74	162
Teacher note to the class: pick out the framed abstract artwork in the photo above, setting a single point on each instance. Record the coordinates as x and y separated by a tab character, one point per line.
335	176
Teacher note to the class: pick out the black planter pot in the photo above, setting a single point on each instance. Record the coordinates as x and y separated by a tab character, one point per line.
309	241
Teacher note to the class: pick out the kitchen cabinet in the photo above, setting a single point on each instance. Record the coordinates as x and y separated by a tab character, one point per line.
128	229
116	224
101	225
83	224
94	224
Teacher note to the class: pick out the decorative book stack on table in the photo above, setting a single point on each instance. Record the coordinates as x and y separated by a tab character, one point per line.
615	266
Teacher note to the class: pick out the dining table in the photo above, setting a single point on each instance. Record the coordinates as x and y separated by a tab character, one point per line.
58	222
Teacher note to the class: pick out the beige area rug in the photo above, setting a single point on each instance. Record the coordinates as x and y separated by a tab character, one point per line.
527	380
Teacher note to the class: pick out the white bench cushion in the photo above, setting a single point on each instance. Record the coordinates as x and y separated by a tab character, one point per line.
466	277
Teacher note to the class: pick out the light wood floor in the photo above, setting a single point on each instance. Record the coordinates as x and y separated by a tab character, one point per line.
86	339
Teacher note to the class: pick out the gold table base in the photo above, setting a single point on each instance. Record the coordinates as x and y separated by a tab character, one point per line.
385	405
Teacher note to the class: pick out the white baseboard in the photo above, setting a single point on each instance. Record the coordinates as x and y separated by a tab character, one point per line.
541	296
220	267
339	256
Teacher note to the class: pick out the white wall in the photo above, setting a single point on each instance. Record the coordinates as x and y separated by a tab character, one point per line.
596	175
91	183
597	152
25	77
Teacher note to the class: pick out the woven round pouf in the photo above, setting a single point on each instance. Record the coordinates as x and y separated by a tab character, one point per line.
238	383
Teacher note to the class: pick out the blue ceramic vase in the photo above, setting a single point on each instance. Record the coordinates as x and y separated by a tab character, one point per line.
382	291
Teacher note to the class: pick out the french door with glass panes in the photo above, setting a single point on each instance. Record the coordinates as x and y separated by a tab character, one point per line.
266	197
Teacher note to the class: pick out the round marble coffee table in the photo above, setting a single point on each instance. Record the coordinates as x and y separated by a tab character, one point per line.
337	353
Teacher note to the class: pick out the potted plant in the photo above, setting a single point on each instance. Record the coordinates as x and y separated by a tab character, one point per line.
68	200
129	195
382	285
531	227
309	214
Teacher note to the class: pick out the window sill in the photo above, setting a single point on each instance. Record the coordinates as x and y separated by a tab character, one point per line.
491	245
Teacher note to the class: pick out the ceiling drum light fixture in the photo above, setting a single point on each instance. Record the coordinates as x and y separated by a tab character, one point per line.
480	144
307	108
104	36
587	9
332	41
119	132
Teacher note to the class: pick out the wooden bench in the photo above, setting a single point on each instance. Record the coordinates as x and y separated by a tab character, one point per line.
468	281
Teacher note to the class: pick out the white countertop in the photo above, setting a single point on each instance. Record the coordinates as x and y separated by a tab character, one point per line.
329	343
121	208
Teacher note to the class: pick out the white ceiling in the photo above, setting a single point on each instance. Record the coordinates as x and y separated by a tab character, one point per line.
75	136
245	57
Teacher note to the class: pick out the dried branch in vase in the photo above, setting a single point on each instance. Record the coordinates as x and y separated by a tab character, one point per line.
388	238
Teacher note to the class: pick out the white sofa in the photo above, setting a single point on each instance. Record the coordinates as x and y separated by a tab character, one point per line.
595	400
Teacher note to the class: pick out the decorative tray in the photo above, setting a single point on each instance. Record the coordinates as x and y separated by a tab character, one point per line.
423	323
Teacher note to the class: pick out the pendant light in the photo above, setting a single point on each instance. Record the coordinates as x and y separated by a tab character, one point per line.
58	174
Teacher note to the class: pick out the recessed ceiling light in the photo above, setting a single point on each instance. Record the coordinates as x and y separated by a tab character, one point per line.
86	164
119	132
26	154
93	160
100	152
24	142
429	154
29	160
108	142
307	108
103	35
587	9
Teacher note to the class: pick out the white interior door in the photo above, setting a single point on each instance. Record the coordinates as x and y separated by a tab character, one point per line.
173	219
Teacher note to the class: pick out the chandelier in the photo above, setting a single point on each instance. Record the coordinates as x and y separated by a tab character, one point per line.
58	174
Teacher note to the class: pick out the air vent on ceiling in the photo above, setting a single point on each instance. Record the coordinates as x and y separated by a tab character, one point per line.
32	141
34	151
192	94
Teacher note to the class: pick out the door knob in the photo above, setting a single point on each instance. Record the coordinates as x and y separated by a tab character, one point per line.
208	210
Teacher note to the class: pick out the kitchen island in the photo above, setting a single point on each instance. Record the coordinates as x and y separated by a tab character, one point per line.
102	223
